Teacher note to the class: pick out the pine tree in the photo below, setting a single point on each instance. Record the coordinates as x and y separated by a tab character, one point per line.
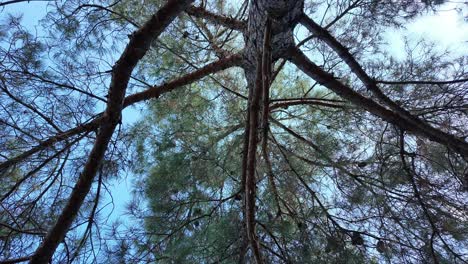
274	131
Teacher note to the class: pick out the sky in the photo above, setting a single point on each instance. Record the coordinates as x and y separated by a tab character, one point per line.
447	28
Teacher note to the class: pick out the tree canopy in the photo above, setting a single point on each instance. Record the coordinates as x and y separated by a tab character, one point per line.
268	131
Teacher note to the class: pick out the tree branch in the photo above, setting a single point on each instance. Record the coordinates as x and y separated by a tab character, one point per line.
19	1
92	125
232	23
422	82
250	184
370	83
153	92
329	81
304	102
17	260
156	91
137	47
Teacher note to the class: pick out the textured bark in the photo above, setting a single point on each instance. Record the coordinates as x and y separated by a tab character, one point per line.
284	14
136	48
268	37
266	77
245	148
303	102
266	74
217	19
250	184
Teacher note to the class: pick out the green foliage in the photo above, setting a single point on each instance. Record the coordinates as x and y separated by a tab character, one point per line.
338	185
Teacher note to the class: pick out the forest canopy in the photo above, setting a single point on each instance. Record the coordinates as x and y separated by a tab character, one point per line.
263	131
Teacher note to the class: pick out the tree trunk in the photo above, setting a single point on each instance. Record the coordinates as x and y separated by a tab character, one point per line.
281	17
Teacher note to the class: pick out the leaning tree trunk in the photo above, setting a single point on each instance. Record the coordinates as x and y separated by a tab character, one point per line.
139	44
